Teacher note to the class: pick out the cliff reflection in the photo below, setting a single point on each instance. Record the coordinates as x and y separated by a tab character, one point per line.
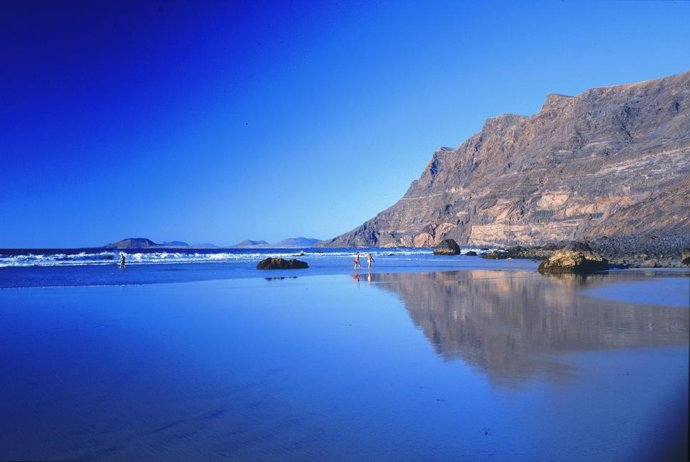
511	323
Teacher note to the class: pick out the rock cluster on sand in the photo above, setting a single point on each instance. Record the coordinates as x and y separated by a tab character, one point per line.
447	247
628	252
280	263
496	255
685	256
576	258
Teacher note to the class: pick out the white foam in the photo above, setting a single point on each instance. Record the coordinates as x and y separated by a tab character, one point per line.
57	259
167	257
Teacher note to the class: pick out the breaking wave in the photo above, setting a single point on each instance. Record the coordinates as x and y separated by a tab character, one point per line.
67	257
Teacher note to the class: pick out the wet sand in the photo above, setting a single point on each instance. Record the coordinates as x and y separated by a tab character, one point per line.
469	365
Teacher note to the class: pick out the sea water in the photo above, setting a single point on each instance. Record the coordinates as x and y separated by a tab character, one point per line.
158	256
64	267
422	358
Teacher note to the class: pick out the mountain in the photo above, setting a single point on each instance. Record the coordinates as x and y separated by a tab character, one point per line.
204	245
610	164
174	244
289	243
249	244
297	242
132	243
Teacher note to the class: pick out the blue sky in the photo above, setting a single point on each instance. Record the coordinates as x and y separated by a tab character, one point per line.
220	121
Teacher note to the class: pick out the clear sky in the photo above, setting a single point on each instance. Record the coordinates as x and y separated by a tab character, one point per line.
219	121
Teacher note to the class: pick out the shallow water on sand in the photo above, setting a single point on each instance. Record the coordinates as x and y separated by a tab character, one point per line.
469	365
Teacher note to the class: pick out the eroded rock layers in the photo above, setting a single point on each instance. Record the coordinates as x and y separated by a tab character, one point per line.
609	164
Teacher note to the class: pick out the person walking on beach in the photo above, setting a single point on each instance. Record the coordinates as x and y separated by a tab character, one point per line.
356	261
122	260
370	260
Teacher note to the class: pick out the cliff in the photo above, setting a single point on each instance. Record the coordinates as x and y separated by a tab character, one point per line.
611	164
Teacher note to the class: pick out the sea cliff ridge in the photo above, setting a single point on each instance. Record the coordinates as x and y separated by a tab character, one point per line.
610	165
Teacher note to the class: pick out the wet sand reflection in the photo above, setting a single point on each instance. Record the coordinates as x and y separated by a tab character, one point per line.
512	324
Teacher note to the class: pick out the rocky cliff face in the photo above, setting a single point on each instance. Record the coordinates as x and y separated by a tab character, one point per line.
610	163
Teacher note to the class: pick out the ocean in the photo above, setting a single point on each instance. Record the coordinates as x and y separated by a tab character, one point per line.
63	267
199	356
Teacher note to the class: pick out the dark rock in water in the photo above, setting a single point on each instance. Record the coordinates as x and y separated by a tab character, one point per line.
685	256
575	258
471	253
496	255
447	247
281	263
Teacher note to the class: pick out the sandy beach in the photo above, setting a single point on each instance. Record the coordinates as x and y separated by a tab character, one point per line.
481	364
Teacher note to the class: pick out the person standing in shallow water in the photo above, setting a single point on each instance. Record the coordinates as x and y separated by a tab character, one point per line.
370	260
356	261
122	260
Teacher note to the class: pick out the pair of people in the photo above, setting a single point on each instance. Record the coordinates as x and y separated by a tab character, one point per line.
370	261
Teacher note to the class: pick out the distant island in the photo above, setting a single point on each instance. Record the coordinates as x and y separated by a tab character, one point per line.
132	243
249	244
138	243
289	243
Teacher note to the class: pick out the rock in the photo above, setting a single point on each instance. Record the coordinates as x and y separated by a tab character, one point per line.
576	258
496	255
447	247
533	253
685	256
609	162
471	253
280	263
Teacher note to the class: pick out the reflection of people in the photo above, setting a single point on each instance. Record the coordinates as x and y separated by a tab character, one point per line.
122	260
370	260
356	261
356	277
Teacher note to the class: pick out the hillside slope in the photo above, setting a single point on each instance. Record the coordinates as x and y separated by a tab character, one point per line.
611	162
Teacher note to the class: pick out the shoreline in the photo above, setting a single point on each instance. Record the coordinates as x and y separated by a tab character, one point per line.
644	258
605	285
111	275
